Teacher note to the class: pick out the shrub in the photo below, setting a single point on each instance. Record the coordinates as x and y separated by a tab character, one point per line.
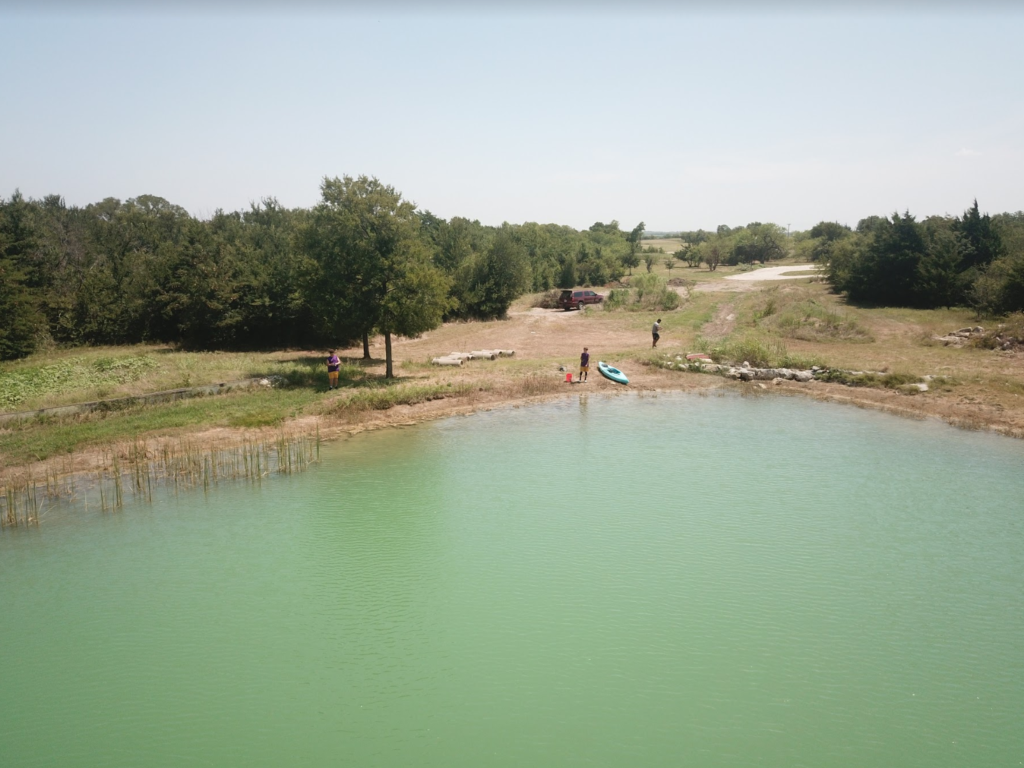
617	299
646	292
548	300
760	352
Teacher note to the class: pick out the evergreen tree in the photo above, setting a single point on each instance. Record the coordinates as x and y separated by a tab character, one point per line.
983	245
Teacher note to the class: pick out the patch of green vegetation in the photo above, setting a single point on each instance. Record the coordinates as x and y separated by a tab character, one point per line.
869	379
646	292
43	437
811	321
759	351
24	383
704	317
256	419
946	383
791	315
384	398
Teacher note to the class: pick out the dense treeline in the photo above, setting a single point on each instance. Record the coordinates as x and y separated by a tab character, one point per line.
972	260
362	261
734	245
365	261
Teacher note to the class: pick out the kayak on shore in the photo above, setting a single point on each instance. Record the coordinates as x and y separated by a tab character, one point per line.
612	374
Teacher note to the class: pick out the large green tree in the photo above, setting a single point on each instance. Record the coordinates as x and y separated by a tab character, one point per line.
982	244
374	271
488	285
19	318
634	238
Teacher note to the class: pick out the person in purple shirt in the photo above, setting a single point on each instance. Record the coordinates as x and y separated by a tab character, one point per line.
333	364
584	364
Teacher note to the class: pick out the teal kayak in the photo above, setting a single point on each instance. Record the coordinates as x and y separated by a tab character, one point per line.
614	374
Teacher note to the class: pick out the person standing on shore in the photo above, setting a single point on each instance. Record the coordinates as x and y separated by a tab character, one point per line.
333	364
656	332
584	364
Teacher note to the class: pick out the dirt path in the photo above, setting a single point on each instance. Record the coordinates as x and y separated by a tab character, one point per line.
776	273
721	324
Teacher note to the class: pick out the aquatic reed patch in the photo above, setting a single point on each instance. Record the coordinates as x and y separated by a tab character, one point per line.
136	470
47	436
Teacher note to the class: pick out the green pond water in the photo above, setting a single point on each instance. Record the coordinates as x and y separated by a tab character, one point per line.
612	581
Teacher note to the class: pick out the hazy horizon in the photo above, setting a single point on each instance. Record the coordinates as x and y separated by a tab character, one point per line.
683	119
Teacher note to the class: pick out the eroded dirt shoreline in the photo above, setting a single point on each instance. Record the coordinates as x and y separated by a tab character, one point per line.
645	379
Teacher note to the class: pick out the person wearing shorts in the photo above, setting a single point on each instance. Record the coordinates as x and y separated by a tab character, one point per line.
333	364
656	332
584	364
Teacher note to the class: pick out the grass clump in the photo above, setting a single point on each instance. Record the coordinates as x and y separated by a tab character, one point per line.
759	351
808	319
813	322
869	379
385	398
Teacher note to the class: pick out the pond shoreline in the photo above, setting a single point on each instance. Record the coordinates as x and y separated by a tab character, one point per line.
504	390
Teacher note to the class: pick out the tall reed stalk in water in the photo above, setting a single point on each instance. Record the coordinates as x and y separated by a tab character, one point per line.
134	468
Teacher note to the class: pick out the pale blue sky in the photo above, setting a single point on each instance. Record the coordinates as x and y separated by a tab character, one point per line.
682	119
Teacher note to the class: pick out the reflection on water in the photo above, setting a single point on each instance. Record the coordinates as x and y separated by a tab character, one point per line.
599	581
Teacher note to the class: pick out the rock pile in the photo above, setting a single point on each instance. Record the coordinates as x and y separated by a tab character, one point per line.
743	372
458	358
746	372
961	337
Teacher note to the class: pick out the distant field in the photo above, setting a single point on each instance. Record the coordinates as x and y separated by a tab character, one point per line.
669	244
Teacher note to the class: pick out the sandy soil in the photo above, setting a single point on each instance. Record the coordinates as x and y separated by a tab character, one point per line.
791	272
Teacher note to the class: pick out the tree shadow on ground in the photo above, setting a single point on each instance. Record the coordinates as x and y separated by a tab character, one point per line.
311	373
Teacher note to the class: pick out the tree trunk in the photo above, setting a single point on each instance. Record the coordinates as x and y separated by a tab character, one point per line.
389	372
366	345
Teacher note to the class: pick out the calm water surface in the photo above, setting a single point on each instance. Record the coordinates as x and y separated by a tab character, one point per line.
712	581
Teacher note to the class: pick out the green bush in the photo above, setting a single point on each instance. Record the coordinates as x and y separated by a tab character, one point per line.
646	292
760	352
619	298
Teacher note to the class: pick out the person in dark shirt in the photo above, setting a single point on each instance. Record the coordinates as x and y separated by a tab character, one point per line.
333	364
584	364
